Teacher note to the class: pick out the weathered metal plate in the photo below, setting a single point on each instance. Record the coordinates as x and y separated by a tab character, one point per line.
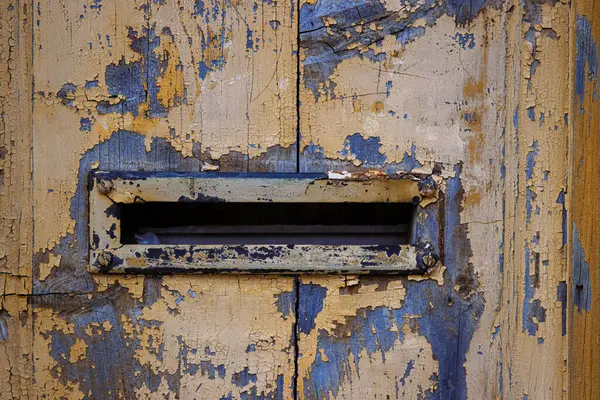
110	190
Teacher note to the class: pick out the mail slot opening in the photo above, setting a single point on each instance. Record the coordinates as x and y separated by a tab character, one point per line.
216	223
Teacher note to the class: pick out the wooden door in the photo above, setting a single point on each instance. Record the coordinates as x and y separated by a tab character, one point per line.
498	99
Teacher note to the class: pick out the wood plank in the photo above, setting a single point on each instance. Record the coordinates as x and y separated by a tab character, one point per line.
239	69
145	86
16	229
584	233
393	88
532	328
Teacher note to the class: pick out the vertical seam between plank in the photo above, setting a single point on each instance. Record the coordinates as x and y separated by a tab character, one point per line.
295	335
295	332
298	135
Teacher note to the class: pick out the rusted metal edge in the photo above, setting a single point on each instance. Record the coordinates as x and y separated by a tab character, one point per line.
279	259
109	190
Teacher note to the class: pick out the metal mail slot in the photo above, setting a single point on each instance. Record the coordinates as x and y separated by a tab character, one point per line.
166	223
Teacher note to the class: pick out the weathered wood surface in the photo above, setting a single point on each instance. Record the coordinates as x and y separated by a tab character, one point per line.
156	86
584	233
533	298
16	228
498	97
464	91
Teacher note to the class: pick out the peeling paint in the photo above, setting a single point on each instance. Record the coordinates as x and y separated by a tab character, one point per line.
581	286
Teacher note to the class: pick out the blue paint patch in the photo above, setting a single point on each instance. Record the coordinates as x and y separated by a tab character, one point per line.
274	24
533	312
285	303
529	290
251	348
409	368
500	375
447	319
311	299
367	151
137	82
466	41
91	84
531	113
210	46
126	80
85	125
105	348
470	118
65	93
410	34
388	88
410	162
327	374
516	118
252	393
313	149
582	288
249	41
243	378
561	200
199	8
529	197
464	11
533	68
586	54
96	5
496	332
203	69
561	295
208	369
503	164
530	160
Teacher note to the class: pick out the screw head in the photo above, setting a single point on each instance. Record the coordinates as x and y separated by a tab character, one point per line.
105	258
104	185
430	259
427	187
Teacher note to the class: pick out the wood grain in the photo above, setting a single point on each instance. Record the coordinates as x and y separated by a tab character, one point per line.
496	98
156	86
390	87
16	228
584	232
533	324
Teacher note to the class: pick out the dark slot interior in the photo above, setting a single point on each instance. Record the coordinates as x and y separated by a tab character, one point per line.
266	223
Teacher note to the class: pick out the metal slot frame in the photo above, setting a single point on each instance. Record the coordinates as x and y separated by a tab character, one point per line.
109	190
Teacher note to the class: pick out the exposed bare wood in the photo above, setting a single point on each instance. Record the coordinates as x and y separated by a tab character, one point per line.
584	232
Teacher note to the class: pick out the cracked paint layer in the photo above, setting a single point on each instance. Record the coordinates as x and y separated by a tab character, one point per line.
474	93
159	86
